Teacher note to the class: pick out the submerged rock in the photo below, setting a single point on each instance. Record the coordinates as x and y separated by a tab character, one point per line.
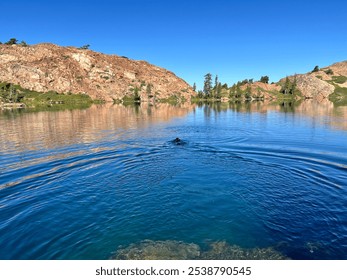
176	250
223	251
159	250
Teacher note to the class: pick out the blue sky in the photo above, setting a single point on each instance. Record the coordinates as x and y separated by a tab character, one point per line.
234	39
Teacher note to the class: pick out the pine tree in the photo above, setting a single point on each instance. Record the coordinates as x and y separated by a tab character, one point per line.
286	87
264	79
248	93
293	87
219	90
208	85
12	41
238	91
315	69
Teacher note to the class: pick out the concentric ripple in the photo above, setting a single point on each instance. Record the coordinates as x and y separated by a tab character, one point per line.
239	179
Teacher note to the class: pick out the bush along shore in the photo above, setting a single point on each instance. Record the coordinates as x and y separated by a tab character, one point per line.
14	96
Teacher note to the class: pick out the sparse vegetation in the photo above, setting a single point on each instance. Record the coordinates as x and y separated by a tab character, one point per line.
84	47
339	96
14	41
14	93
23	44
329	72
10	93
339	79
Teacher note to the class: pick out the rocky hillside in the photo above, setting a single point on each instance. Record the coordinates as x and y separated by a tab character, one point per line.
48	67
322	83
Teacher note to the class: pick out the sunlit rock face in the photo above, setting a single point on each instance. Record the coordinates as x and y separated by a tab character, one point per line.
48	67
176	250
320	84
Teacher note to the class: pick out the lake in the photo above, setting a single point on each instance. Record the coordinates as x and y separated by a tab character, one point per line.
82	184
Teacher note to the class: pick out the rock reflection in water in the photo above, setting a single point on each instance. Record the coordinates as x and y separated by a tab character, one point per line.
177	250
49	129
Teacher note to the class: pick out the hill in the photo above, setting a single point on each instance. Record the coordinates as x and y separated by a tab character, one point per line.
330	81
48	67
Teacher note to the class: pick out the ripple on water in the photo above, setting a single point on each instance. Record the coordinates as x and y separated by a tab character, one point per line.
228	182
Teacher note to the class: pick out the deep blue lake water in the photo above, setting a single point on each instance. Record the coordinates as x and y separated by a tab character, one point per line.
77	184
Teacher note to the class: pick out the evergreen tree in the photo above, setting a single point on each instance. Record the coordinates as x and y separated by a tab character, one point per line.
208	85
293	87
248	94
289	87
12	41
216	82
238	91
84	47
215	93
315	69
264	79
286	87
23	44
232	91
219	90
194	86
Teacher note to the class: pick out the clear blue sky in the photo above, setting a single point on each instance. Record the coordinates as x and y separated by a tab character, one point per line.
234	39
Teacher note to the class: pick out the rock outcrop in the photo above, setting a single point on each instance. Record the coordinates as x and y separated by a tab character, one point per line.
320	84
312	87
48	67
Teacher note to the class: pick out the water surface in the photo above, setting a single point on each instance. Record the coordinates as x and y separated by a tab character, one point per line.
78	184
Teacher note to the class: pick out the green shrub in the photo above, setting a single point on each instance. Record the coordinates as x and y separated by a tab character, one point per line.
329	72
339	79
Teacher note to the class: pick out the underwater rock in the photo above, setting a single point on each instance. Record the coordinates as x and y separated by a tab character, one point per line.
159	250
177	250
223	251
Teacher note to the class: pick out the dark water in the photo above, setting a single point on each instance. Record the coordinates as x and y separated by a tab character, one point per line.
77	184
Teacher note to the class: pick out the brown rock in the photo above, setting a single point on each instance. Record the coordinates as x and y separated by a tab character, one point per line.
48	67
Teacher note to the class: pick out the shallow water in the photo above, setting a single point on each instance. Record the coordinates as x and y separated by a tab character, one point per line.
79	184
